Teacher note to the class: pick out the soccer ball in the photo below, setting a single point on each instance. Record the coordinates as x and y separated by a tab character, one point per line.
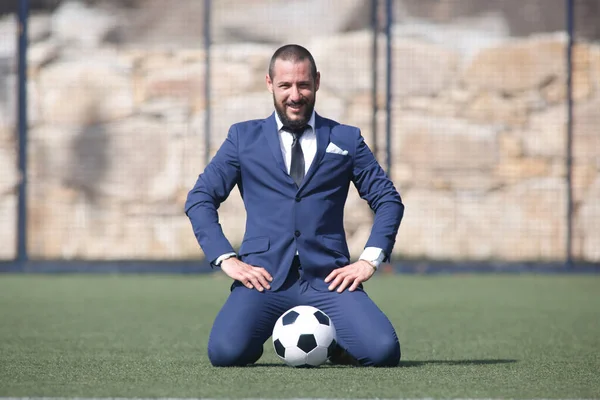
304	336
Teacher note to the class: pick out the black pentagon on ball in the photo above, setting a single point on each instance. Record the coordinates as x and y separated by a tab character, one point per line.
322	318
290	318
331	348
279	349
307	343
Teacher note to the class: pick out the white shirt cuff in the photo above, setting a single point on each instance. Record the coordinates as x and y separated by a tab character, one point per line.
374	255
224	257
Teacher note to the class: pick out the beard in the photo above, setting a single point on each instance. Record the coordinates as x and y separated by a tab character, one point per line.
309	106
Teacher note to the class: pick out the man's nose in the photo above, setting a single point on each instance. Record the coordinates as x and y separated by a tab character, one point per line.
295	93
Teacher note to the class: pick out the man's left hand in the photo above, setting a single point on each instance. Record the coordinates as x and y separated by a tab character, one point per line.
353	275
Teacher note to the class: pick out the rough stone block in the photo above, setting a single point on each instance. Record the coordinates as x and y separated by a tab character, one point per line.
8	226
444	143
85	92
421	68
546	134
518	65
587	221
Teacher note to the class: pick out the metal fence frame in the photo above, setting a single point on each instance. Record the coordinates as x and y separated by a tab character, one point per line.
22	138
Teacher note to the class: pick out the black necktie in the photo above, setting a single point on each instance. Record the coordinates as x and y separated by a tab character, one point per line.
297	164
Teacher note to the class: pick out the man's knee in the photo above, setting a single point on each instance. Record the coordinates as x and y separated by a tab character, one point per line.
226	353
383	352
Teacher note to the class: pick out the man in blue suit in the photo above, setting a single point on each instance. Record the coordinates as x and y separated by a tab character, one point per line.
293	170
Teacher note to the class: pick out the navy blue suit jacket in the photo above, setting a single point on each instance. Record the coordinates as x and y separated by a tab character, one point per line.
282	218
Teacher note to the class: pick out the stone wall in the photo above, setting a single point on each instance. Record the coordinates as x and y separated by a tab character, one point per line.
478	137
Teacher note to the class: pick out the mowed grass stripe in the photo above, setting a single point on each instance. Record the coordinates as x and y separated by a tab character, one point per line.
525	337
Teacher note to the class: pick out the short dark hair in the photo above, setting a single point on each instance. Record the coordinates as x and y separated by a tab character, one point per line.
294	53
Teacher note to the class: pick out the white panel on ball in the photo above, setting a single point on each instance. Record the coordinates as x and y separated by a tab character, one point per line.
295	357
317	356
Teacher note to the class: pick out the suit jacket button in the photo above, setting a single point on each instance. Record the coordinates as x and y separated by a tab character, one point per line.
297	233
297	199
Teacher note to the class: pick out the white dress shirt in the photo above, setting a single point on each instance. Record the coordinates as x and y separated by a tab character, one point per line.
308	142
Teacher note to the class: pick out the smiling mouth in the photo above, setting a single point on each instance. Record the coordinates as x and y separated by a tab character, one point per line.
295	107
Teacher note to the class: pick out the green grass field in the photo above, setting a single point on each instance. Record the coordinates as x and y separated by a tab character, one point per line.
462	336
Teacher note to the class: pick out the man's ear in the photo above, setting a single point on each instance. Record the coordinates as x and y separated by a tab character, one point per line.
269	83
317	81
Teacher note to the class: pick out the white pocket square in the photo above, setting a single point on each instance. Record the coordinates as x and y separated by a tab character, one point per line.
332	148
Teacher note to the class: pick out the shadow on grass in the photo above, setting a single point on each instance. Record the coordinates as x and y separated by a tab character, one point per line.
326	365
454	362
408	364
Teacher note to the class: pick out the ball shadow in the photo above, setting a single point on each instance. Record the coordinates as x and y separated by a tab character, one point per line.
326	365
402	364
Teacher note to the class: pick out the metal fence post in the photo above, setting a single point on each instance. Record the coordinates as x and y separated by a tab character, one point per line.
22	255
569	145
374	74
207	41
388	84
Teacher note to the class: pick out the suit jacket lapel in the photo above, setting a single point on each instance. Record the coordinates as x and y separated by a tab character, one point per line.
322	131
272	135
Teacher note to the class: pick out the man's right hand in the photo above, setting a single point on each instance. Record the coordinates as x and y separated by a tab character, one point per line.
252	277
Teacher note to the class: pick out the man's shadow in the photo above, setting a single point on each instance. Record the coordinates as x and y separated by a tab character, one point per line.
410	363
